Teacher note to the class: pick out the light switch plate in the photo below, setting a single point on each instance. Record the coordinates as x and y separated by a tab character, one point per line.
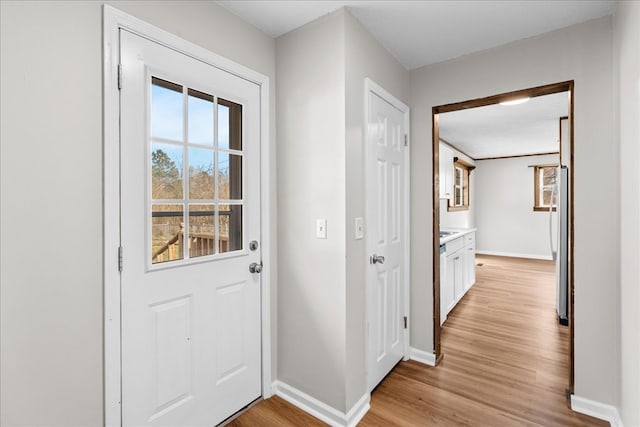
321	228
359	227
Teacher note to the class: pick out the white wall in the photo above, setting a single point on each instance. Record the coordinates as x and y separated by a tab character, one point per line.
365	57
627	47
322	293
311	179
51	199
505	218
460	219
582	53
51	298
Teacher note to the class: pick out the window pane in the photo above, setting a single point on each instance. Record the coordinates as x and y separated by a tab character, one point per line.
200	173
166	110
458	196
229	125
229	176
201	230
223	126
546	197
549	171
230	223
166	171
549	175
200	118
167	233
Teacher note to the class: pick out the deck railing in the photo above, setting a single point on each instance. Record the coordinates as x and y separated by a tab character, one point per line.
200	243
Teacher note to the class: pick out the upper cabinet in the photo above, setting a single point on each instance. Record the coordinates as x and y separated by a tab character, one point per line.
446	171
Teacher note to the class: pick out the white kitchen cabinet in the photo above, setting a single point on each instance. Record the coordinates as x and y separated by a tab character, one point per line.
450	283
454	274
458	273
446	171
444	298
469	260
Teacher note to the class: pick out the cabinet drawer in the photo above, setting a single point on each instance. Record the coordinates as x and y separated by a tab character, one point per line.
454	245
470	239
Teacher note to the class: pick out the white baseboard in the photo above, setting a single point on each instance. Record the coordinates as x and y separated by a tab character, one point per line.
422	356
359	410
596	409
321	410
510	254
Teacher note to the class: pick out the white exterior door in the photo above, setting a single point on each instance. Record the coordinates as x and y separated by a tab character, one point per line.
385	241
190	205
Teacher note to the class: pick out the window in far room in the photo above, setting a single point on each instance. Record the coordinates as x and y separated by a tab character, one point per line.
460	199
544	180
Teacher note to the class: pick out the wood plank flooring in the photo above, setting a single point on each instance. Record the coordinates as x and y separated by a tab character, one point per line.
505	362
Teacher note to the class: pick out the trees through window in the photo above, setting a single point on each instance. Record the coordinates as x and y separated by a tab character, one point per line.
545	194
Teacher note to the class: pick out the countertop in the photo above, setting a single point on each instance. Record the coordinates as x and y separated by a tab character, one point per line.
457	232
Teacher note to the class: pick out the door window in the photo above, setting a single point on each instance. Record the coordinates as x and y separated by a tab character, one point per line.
196	173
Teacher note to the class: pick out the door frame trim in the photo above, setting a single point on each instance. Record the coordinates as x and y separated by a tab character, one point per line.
113	21
565	86
372	87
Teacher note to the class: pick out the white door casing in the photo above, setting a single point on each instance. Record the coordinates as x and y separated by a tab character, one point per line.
194	336
387	235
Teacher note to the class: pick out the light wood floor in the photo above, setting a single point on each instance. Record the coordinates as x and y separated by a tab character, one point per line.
505	363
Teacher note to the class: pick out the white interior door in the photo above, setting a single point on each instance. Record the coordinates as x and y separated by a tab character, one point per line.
385	194
190	205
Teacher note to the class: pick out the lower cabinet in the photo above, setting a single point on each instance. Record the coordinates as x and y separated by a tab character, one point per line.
449	285
469	260
459	273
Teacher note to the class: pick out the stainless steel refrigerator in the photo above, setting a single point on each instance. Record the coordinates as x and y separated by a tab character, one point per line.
562	256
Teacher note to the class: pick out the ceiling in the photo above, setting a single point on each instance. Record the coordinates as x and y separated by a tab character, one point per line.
419	33
502	130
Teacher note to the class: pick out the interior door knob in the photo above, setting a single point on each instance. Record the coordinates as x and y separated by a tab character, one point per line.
376	259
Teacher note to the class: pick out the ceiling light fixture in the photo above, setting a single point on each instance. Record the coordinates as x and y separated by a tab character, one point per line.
516	101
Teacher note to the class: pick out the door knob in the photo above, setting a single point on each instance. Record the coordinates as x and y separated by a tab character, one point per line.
376	259
255	267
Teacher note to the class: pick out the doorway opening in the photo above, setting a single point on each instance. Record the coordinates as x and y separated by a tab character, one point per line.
457	183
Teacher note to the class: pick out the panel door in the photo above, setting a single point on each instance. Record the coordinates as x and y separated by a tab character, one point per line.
385	237
189	206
